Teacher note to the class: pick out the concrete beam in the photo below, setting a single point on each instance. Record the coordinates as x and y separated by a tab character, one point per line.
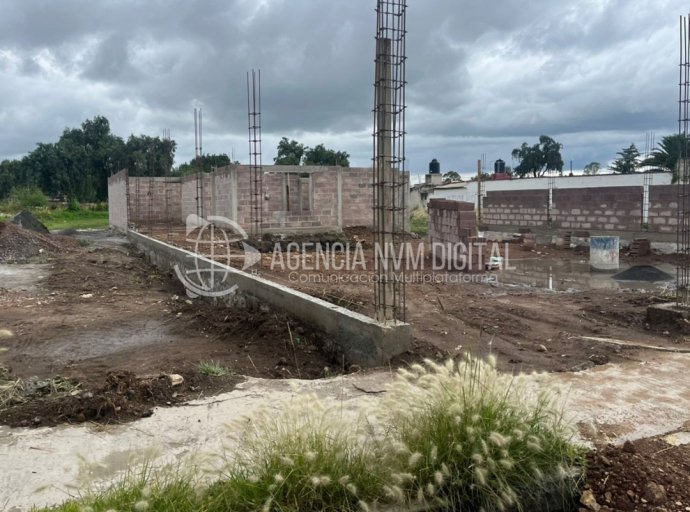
361	339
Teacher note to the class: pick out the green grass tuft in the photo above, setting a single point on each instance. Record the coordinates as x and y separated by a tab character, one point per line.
419	222
213	369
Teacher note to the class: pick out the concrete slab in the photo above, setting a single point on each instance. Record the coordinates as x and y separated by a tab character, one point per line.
46	466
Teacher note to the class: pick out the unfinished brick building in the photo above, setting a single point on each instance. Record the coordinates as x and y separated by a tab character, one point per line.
295	198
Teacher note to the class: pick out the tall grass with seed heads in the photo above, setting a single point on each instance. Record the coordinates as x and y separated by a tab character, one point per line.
308	458
465	437
141	491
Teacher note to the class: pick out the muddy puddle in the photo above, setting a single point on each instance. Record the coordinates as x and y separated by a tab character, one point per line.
574	275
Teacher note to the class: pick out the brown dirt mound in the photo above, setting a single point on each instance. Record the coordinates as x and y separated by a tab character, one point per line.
124	397
648	474
18	245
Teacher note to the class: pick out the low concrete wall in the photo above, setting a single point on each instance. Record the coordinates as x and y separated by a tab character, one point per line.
361	339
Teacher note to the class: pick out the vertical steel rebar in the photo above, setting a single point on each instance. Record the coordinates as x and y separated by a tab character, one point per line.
389	173
683	226
255	163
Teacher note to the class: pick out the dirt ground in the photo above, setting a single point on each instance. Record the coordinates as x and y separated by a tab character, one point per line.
647	474
112	328
117	332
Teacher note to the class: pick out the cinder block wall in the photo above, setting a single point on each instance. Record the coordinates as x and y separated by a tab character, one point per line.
663	208
293	197
154	200
598	209
452	229
526	208
117	200
595	209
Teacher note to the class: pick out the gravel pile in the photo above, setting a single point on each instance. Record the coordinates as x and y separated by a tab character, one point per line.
18	245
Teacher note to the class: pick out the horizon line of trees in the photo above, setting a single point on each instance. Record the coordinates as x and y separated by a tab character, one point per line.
77	166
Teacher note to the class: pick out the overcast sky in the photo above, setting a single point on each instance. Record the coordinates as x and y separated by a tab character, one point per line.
483	77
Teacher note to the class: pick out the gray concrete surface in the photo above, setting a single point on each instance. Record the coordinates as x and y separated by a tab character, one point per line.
48	465
362	340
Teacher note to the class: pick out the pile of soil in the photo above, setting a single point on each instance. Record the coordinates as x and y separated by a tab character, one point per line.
647	474
124	397
19	245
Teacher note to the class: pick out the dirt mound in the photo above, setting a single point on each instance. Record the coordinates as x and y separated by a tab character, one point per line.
123	397
18	244
648	474
647	273
27	220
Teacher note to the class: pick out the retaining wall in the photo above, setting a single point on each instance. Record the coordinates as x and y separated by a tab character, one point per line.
361	339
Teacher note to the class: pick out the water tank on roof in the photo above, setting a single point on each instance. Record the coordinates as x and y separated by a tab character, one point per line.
434	167
499	167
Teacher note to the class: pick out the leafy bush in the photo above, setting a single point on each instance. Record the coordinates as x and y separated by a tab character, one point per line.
469	438
24	198
73	205
419	222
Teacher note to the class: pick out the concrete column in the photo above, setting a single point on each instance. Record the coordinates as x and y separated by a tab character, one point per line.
385	284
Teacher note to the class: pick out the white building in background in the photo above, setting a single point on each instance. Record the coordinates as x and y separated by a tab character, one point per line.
467	191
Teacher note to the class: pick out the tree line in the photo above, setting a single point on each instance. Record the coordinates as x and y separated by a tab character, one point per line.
77	166
537	159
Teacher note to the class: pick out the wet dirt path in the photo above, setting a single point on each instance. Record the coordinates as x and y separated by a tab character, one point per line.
45	466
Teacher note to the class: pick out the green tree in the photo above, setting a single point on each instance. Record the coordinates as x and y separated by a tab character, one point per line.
205	162
290	152
539	158
451	176
665	158
320	155
592	168
627	160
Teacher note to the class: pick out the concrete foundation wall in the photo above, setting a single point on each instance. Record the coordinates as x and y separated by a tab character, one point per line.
117	200
361	339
